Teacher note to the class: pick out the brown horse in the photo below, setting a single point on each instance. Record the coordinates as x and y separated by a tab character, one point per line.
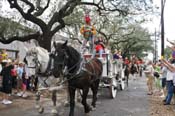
78	73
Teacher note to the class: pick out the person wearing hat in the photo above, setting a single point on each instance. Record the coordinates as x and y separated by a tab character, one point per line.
6	80
88	31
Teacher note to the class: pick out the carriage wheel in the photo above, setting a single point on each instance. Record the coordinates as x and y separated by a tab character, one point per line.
113	88
123	79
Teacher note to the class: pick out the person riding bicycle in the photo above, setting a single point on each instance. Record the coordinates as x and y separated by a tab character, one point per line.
88	31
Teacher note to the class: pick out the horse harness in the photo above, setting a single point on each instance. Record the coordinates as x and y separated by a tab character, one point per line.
38	64
79	68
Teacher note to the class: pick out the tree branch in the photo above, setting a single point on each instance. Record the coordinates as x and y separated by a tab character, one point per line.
60	26
103	8
66	10
28	16
35	36
32	8
40	10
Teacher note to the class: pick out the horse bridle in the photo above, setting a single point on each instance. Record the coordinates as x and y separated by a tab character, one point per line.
65	69
37	65
35	60
64	62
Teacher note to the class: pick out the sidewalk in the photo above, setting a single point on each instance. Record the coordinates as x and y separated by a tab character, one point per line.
26	106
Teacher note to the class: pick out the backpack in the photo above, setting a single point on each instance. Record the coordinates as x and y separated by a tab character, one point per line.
156	74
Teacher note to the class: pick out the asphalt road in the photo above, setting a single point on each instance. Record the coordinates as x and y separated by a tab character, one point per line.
133	101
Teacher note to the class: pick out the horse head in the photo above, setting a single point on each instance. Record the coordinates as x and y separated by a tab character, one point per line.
37	58
65	58
60	58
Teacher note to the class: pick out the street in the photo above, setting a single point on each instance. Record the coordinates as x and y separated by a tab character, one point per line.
133	101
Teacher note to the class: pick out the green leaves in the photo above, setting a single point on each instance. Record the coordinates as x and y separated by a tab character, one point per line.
10	28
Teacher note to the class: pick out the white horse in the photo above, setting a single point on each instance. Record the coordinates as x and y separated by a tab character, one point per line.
38	58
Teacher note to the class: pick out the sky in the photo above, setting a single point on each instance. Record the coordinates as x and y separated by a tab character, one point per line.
169	21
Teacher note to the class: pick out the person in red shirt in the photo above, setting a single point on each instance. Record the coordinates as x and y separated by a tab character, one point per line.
126	61
99	47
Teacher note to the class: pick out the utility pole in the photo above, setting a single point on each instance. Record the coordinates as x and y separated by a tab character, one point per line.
162	26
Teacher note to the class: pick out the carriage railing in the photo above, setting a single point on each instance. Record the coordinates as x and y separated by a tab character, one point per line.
117	66
110	66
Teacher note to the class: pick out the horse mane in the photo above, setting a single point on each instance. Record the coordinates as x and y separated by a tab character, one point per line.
72	52
36	50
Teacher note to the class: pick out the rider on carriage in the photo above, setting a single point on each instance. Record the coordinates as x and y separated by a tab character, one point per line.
117	54
88	31
99	46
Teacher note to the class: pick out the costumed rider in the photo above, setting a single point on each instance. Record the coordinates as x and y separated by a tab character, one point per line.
88	31
99	47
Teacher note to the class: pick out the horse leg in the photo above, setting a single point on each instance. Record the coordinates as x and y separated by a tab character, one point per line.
66	103
35	82
127	77
94	89
38	104
78	95
72	100
54	99
87	108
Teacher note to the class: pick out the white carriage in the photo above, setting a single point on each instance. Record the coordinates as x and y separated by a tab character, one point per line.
113	73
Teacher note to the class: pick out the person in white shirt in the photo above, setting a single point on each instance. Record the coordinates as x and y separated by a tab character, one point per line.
163	78
150	78
169	81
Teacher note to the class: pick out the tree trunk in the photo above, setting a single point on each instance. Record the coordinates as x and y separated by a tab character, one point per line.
45	42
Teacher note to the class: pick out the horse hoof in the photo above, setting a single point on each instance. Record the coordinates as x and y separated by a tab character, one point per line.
66	104
79	100
87	114
93	108
54	111
41	110
37	106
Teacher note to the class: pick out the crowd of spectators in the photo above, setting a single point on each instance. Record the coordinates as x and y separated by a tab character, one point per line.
13	76
161	77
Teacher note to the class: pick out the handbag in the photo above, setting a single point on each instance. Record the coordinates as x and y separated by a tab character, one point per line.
156	74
